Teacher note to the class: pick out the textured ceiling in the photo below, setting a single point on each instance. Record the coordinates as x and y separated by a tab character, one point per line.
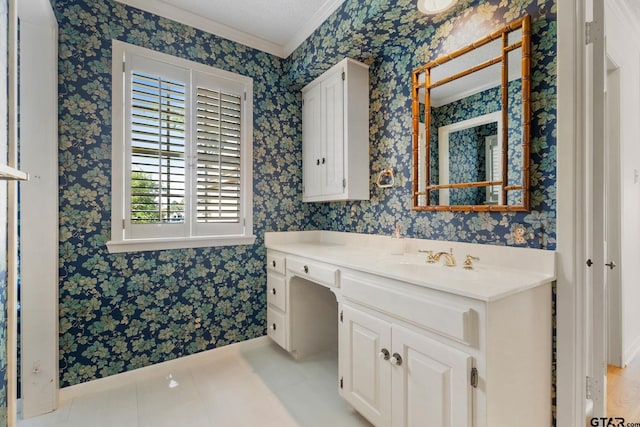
273	20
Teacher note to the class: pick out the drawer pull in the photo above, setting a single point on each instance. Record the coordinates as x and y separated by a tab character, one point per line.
273	291
273	327
384	354
273	263
396	359
306	268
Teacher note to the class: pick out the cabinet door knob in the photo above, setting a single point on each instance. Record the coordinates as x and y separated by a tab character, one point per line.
396	359
273	291
273	263
323	160
273	327
317	161
384	354
306	268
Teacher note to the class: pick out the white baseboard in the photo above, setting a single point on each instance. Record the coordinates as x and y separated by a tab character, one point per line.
69	393
631	352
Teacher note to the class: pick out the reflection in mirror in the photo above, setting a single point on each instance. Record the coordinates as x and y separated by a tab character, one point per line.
471	139
470	151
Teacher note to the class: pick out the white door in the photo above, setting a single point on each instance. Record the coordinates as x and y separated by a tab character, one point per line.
311	142
365	348
332	160
596	275
431	382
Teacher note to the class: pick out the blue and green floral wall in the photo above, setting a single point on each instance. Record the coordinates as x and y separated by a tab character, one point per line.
123	311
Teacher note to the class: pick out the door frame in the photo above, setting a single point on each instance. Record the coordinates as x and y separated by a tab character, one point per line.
570	334
39	208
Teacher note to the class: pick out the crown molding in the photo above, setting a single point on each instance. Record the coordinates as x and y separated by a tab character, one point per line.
311	25
169	11
174	13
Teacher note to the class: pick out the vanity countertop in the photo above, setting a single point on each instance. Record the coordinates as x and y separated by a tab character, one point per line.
501	271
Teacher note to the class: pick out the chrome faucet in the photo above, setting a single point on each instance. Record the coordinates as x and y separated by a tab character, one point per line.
449	259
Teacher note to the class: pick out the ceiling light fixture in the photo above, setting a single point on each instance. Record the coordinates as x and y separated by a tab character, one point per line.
432	7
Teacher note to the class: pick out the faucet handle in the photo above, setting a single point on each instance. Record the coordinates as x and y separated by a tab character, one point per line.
468	261
431	259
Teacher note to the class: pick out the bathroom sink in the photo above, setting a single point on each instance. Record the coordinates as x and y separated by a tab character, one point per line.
417	267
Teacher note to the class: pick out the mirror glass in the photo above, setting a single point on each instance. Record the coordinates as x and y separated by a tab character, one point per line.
471	139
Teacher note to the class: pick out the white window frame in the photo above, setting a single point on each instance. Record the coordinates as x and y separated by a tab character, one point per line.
492	147
120	241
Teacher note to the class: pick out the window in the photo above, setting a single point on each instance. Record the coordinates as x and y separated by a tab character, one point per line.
494	169
181	158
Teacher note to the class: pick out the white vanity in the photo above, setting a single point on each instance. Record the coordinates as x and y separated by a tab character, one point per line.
419	344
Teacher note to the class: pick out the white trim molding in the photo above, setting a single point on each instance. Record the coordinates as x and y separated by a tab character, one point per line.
191	234
114	381
39	256
183	16
571	370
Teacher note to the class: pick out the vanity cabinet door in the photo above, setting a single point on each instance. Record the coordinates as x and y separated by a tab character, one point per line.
431	382
365	345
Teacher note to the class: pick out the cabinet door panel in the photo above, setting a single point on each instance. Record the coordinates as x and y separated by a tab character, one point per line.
333	111
312	142
431	387
366	376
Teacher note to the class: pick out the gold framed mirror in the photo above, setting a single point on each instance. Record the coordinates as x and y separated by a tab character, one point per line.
472	124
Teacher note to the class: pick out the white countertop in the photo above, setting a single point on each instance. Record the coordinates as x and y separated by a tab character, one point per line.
501	271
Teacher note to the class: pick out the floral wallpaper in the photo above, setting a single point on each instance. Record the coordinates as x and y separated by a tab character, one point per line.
468	163
394	38
123	311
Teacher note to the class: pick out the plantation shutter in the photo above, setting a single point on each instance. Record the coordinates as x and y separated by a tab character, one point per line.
157	149
218	147
494	160
186	141
156	112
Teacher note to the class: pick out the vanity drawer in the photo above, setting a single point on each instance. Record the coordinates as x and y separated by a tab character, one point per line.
276	291
446	318
276	262
316	272
276	326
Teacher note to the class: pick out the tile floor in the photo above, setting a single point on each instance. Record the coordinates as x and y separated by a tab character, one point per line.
251	384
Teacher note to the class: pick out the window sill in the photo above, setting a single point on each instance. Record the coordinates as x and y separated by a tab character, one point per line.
139	245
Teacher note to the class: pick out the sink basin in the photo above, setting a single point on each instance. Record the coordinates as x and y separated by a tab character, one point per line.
437	272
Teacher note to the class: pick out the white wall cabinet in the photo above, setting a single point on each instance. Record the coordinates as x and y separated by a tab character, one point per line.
335	134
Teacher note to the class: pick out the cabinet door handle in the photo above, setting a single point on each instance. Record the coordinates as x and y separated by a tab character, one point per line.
396	359
273	327
273	291
384	354
273	263
323	160
306	269
317	161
